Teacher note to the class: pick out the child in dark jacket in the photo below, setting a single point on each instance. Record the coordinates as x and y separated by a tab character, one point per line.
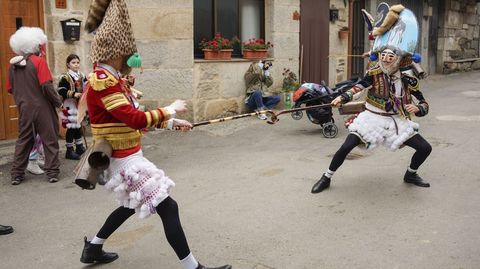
70	87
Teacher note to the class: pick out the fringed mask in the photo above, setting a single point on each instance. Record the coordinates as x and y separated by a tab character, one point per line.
389	61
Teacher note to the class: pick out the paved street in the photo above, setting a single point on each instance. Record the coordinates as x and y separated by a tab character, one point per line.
244	193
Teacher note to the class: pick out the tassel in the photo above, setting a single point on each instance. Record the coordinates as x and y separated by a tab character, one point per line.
135	61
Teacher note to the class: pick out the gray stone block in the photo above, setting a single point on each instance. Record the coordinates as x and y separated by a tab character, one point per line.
166	83
476	65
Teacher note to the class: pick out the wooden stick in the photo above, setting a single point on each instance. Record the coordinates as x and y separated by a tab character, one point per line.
206	122
346	55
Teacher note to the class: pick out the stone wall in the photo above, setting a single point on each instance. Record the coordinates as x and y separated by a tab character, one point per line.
338	62
164	34
219	87
58	49
458	45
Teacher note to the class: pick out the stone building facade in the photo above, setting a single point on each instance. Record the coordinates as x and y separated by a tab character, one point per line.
164	31
164	34
338	47
458	40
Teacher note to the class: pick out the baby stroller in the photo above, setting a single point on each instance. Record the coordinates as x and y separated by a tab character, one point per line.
310	94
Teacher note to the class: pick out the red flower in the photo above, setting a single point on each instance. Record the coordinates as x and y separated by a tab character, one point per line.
256	44
218	43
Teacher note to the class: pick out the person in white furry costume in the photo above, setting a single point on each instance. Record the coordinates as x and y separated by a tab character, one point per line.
387	118
30	82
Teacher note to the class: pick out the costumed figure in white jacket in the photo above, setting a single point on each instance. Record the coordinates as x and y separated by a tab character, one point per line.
390	104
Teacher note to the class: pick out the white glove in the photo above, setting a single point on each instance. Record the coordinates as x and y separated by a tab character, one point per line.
266	73
179	106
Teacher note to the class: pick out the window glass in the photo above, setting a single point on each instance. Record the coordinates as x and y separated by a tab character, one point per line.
243	19
227	18
252	16
203	22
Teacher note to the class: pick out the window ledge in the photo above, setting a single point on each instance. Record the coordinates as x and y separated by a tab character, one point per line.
462	60
199	60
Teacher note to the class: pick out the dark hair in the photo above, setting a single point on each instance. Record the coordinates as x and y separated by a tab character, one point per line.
72	57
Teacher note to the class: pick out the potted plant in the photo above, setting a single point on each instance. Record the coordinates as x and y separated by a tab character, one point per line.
219	48
255	48
343	33
290	84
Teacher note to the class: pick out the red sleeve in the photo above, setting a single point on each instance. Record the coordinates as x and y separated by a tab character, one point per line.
8	84
43	73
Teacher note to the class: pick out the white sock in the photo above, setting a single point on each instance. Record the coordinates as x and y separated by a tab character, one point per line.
189	262
329	173
411	170
97	241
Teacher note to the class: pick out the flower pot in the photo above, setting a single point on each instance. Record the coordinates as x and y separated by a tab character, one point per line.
225	54
343	34
254	54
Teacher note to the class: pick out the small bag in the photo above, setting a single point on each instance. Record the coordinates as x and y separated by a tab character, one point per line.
352	108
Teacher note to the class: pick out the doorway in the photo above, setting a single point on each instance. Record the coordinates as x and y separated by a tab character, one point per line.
314	40
13	15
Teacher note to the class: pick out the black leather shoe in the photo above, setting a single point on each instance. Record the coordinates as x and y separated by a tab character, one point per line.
17	180
79	149
5	229
415	179
71	154
221	267
322	184
93	253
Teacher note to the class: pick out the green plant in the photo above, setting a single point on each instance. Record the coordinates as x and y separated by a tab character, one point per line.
218	43
256	44
290	81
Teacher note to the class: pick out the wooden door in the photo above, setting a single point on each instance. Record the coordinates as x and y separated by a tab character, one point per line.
13	15
314	39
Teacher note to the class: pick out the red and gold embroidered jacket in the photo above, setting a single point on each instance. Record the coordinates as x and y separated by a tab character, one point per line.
113	117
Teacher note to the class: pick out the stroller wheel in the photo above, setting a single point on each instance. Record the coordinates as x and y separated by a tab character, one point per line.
330	130
297	115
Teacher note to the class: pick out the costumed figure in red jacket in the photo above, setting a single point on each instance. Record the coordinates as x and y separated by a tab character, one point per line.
139	186
30	82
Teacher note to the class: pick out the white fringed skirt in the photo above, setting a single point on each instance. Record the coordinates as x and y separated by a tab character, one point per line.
374	130
138	184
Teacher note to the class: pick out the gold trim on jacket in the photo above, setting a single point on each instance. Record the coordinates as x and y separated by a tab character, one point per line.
119	135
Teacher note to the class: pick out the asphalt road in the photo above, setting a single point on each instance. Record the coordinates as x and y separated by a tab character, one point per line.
244	193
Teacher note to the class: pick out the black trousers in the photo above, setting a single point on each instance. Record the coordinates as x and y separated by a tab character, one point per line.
417	142
73	133
168	212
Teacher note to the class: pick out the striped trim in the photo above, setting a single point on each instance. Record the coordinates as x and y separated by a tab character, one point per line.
164	113
148	115
118	135
102	125
155	116
112	130
114	100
